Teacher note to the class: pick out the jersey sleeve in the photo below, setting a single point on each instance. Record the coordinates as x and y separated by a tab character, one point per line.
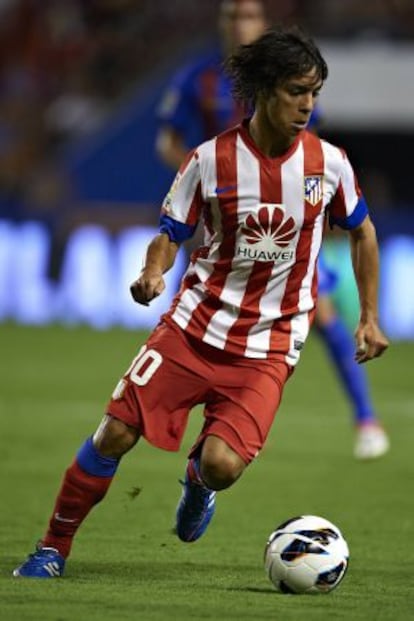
347	208
183	204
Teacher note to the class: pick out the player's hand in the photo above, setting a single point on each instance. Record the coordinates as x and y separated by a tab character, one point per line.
370	342
148	286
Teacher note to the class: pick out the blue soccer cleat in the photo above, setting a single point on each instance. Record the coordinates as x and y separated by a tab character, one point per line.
44	563
196	506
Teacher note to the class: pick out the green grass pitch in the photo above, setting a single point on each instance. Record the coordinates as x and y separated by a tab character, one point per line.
126	564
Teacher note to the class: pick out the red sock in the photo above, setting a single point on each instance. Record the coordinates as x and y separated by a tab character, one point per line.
79	492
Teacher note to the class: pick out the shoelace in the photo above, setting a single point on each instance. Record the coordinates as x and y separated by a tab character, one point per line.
40	552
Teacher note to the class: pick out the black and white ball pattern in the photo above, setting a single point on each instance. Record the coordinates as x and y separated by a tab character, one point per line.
306	554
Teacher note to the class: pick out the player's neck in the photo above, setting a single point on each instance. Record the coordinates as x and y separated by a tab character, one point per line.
270	143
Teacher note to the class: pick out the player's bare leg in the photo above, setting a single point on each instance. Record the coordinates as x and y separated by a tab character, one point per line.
216	468
113	438
85	483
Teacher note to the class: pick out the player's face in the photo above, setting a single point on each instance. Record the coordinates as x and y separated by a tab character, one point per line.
241	23
289	109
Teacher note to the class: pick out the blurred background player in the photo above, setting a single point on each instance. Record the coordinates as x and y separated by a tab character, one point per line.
197	105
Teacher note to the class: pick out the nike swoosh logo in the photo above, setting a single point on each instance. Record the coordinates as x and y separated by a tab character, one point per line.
62	519
227	188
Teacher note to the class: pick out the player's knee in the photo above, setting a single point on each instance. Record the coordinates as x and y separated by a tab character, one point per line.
113	438
220	466
220	472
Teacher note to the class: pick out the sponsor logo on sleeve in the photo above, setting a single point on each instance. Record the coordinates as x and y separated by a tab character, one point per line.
166	206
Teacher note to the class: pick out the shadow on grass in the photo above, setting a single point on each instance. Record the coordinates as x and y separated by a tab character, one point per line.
147	569
249	589
212	576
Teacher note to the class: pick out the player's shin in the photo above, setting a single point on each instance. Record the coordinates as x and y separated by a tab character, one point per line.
85	484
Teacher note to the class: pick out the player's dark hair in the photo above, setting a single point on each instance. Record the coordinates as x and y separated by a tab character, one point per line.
278	55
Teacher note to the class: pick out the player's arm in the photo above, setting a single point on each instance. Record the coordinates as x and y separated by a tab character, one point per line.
160	258
180	212
176	111
170	146
371	342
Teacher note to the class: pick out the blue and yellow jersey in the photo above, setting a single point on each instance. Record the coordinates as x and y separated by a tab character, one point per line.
198	102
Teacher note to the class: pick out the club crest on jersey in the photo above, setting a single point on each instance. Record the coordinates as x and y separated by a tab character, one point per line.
312	187
266	235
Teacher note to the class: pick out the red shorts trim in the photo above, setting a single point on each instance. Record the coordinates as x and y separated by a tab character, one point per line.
175	372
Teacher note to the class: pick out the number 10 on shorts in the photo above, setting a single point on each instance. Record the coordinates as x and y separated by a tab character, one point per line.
141	370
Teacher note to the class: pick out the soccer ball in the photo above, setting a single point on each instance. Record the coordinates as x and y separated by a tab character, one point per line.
306	554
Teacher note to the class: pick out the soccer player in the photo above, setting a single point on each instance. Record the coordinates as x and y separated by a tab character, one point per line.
197	105
235	330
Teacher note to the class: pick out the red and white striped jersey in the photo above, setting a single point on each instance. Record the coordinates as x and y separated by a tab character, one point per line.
251	289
